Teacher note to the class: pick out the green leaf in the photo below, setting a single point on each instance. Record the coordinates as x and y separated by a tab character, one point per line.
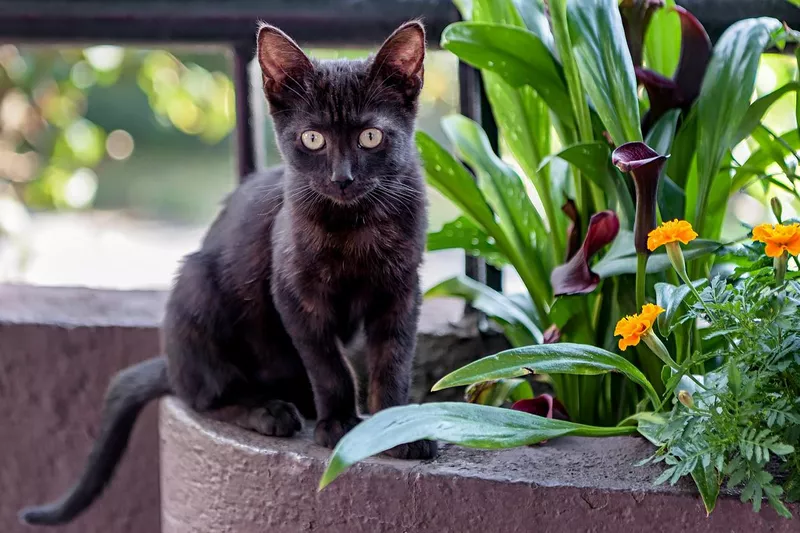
662	43
593	160
725	98
496	393
518	325
464	234
605	64
758	109
516	54
671	198
466	424
451	179
670	298
708	483
501	185
621	257
505	193
759	160
660	136
560	358
781	449
682	156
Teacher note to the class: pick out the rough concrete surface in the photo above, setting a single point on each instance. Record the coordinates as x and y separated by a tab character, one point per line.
219	478
59	348
53	375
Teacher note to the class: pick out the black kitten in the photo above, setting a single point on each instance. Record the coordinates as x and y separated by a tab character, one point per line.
299	259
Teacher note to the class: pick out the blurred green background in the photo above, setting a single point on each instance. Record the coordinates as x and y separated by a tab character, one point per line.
113	160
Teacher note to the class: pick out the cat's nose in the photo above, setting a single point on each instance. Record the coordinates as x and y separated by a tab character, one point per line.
343	178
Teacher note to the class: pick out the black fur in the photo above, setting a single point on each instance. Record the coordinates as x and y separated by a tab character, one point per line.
299	259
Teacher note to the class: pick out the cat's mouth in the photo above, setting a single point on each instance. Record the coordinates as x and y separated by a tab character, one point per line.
349	195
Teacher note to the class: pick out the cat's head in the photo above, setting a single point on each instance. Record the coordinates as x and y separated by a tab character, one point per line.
344	127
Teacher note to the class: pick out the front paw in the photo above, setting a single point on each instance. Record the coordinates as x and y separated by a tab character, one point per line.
421	449
330	431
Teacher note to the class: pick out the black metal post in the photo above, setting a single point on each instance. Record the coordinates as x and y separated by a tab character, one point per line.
246	149
474	104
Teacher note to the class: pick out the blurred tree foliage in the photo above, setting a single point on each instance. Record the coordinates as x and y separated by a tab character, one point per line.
49	150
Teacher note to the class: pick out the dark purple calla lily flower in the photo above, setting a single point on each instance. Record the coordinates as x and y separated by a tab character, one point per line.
682	89
645	164
543	405
636	15
575	276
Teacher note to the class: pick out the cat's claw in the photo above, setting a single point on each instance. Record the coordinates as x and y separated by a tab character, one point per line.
421	449
329	431
276	419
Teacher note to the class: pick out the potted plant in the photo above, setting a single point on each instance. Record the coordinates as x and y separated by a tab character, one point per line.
596	164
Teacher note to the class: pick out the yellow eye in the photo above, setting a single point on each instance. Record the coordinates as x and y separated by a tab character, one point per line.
313	140
370	138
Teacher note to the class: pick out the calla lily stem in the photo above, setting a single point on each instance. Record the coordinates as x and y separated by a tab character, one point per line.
641	278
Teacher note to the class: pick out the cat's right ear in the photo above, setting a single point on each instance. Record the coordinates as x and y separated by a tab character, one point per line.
283	63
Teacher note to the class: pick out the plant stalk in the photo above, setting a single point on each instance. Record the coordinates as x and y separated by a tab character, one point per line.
641	278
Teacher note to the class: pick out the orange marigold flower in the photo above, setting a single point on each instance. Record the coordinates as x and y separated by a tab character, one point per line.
632	328
672	231
778	238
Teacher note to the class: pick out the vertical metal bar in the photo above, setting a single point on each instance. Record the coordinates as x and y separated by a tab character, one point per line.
475	105
469	101
245	142
494	277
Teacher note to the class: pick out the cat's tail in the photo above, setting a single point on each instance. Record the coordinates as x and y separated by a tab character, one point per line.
129	391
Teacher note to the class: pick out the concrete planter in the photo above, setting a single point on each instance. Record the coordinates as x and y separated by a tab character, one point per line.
216	477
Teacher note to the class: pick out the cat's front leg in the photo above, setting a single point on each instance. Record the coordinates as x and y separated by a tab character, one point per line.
311	325
391	328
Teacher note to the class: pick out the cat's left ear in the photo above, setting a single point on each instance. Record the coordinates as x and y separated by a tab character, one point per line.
399	61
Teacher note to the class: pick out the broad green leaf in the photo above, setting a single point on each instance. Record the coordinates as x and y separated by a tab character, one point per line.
534	17
517	323
498	392
559	358
593	160
523	120
621	257
516	54
708	482
464	8
682	155
716	201
451	179
661	135
466	424
671	200
662	43
758	109
725	98
670	298
605	64
504	191
650	428
462	233
530	14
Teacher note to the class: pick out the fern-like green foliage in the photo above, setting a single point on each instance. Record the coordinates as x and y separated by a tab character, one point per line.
742	422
